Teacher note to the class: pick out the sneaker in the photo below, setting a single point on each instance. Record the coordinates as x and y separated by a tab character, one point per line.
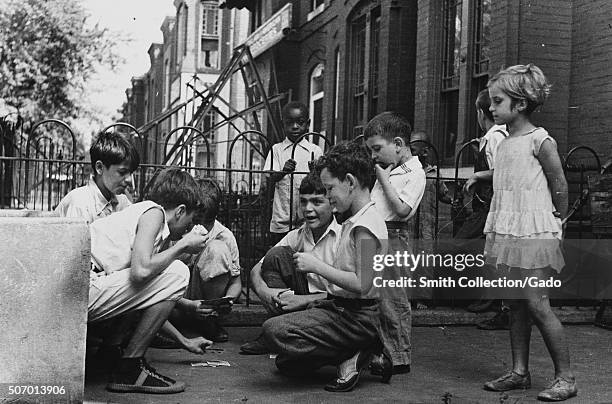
509	381
561	389
255	347
134	375
501	321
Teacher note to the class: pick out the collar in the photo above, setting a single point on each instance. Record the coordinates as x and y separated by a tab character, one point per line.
495	128
286	143
409	165
333	227
357	215
99	200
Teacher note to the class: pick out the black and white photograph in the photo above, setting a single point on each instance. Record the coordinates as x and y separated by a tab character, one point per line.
305	201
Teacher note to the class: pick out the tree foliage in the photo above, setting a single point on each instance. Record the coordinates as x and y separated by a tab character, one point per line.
48	51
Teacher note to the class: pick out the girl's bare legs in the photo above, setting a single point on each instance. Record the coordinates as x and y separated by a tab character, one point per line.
520	336
551	329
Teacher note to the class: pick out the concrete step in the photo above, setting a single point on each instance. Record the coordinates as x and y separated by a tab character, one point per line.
255	315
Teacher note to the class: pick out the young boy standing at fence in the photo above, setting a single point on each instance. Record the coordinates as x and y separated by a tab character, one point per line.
295	124
341	330
275	279
399	187
215	270
129	273
113	159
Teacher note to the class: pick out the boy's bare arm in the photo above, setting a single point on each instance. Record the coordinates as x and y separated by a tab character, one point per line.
480	176
265	293
145	263
235	287
400	208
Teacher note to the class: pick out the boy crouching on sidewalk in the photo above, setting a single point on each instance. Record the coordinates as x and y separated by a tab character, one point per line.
342	329
129	272
277	282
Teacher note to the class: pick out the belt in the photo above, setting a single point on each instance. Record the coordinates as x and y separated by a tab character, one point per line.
352	302
396	225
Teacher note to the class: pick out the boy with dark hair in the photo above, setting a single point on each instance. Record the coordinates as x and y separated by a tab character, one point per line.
215	270
295	124
130	273
340	330
113	160
399	187
275	279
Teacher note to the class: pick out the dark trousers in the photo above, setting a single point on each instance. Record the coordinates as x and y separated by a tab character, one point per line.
278	271
328	333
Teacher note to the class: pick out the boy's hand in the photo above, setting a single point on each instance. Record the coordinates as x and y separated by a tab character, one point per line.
289	166
468	187
289	301
196	345
306	262
267	299
194	241
200	311
383	174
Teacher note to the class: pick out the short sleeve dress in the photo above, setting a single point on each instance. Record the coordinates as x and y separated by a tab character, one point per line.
521	230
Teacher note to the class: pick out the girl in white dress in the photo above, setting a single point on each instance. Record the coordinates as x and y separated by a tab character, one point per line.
524	225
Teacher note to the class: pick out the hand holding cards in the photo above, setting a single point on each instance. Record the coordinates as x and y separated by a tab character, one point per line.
221	306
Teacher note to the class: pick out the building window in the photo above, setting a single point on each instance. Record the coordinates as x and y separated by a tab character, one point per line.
364	66
210	20
316	101
316	7
482	34
210	119
451	44
183	28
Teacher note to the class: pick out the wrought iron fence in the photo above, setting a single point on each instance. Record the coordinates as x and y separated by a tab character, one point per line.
36	172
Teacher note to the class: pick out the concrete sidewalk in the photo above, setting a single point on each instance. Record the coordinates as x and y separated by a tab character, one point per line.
450	365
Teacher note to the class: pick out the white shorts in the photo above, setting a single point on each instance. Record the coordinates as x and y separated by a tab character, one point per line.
114	294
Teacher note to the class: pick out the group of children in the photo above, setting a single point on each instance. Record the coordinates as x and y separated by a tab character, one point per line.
317	282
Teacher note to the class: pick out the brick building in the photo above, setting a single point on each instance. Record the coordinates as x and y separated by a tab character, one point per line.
428	59
197	44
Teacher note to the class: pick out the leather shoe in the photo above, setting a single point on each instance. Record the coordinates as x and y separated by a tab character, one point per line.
255	347
381	365
349	372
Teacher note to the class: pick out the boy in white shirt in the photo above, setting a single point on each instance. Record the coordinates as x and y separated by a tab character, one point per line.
295	124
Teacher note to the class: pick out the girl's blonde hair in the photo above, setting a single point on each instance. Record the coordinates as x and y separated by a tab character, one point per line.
523	82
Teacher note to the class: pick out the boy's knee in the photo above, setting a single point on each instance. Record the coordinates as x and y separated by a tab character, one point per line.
274	331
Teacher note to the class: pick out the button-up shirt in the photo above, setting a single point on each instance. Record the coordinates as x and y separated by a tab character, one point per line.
87	202
281	152
408	179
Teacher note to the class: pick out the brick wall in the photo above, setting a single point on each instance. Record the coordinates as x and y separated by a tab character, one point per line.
534	32
590	112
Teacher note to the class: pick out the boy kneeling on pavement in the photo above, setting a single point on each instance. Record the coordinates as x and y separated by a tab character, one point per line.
275	279
340	330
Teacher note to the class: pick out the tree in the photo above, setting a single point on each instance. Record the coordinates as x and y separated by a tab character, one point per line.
48	51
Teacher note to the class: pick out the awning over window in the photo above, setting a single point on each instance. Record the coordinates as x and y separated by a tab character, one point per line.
249	4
